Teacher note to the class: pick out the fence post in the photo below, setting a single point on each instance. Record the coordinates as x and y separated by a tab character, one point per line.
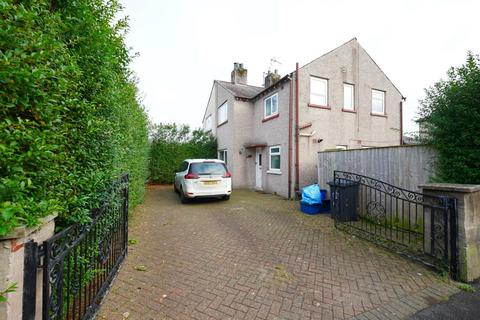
465	222
125	211
18	255
30	280
452	206
446	232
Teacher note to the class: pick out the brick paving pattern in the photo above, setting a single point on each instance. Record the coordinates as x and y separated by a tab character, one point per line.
257	257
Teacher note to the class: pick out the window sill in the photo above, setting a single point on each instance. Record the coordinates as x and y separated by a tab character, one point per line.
349	110
270	117
221	124
277	172
378	115
319	106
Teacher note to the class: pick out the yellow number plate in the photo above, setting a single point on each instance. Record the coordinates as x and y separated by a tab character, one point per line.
210	182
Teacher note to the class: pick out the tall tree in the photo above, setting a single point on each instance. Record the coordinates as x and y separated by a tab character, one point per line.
450	114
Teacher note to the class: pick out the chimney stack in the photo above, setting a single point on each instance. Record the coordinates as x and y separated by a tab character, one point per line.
271	78
239	74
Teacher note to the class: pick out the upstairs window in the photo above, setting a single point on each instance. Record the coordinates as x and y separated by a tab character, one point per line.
378	102
222	113
208	123
270	106
318	91
348	96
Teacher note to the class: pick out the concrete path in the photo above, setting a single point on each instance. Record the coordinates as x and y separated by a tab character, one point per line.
257	257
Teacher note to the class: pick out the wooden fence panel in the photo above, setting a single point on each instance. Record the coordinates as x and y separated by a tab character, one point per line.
403	166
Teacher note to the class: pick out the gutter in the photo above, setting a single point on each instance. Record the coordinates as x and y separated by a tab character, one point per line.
290	116
401	119
297	147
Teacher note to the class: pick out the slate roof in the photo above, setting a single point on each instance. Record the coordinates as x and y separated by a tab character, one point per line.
241	90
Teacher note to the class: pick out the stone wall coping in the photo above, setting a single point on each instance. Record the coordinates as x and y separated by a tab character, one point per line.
453	187
24	231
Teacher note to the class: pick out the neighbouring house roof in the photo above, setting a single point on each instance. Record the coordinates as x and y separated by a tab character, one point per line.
241	90
244	91
274	85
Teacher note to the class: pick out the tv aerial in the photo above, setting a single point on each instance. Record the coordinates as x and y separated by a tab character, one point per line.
272	62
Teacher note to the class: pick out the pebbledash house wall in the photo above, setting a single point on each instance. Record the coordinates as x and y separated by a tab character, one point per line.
232	134
224	132
242	131
272	132
245	126
349	64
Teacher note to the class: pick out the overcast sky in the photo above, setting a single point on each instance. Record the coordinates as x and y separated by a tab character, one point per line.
185	45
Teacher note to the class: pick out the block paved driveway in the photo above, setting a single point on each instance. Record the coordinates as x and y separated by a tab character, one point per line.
257	257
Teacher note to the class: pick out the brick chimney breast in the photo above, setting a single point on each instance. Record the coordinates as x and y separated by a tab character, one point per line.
239	74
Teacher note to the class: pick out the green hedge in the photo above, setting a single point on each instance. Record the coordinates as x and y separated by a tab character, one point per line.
171	144
70	120
450	114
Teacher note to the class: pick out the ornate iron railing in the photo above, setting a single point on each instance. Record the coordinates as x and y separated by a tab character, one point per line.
80	262
417	225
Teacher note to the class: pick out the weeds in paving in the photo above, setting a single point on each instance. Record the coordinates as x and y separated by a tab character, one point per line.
132	242
280	273
140	268
465	287
445	277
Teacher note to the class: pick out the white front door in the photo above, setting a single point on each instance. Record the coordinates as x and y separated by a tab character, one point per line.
258	169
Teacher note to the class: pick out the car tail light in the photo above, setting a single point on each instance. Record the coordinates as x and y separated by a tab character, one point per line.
190	176
227	175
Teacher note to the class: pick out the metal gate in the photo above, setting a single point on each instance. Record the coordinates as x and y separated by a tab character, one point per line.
420	226
79	263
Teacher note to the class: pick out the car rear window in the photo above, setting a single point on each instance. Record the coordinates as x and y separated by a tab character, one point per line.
208	168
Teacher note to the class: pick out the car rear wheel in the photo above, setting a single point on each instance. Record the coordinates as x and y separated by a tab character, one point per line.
183	198
226	198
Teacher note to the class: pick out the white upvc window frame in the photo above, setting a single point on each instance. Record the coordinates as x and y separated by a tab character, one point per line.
348	95
272	98
342	147
315	96
276	153
220	112
375	98
208	123
224	156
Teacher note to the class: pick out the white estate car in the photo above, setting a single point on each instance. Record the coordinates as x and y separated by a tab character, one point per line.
198	178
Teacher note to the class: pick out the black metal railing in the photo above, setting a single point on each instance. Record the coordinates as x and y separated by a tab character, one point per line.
80	262
417	225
